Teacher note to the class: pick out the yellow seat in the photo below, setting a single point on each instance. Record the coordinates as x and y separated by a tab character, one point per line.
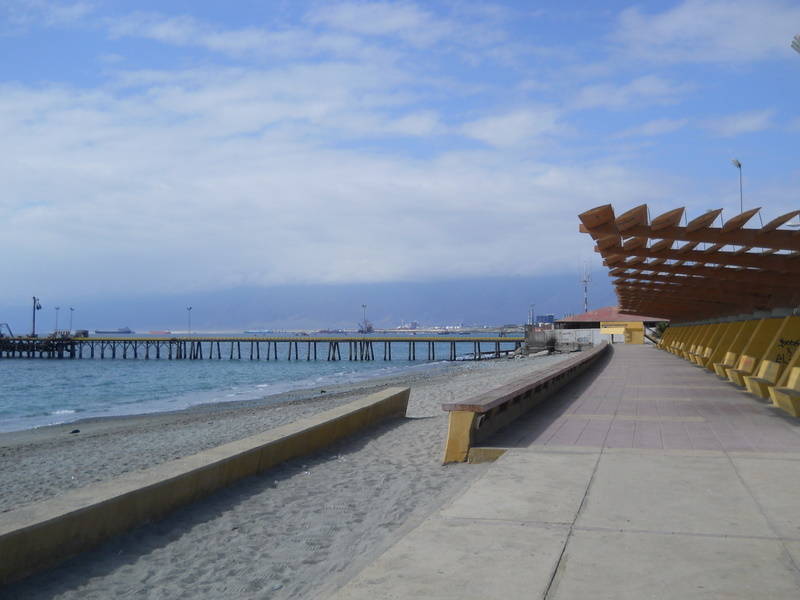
702	359
746	366
728	362
788	398
766	378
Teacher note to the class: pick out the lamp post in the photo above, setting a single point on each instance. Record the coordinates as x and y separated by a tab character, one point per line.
71	311
738	165
56	327
36	306
189	312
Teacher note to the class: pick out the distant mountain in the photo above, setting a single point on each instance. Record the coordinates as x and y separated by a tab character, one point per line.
484	301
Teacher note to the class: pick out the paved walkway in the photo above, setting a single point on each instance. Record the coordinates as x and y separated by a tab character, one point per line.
648	478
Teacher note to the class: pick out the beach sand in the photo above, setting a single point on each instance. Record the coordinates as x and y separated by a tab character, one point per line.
297	531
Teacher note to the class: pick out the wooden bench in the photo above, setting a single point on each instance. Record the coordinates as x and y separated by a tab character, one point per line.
788	398
721	368
766	378
475	418
746	366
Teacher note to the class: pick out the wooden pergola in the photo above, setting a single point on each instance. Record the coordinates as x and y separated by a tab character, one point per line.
697	271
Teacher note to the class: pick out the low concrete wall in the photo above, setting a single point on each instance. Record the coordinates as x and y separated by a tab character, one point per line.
474	419
47	533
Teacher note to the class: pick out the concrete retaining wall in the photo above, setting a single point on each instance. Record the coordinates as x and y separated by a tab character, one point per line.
474	419
47	533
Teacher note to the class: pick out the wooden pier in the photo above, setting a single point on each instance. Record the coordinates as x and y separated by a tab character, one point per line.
354	348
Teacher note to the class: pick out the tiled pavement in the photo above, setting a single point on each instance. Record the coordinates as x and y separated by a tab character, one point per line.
644	398
647	478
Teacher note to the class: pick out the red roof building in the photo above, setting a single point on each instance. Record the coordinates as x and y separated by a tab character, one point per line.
609	314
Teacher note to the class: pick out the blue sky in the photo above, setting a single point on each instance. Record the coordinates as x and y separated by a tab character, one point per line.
177	146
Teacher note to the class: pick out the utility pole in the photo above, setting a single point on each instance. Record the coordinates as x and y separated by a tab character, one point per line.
36	306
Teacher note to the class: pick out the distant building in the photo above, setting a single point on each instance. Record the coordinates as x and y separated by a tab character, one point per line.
611	322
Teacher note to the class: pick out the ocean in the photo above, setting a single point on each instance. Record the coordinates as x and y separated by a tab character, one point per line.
38	391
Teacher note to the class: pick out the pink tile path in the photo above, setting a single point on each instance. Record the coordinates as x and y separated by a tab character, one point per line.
648	398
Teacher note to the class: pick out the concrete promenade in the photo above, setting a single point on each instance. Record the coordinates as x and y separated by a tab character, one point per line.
649	477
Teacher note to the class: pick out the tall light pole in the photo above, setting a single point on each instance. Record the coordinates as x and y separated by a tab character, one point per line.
189	312
36	306
56	327
738	165
71	311
364	306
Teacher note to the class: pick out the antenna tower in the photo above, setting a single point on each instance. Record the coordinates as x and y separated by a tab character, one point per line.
585	281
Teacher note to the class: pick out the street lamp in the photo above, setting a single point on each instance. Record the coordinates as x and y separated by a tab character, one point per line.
189	311
36	306
56	327
738	165
71	310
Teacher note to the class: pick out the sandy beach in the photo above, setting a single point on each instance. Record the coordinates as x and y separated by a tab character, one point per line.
298	531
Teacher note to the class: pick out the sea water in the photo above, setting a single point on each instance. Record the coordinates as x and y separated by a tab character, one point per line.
36	392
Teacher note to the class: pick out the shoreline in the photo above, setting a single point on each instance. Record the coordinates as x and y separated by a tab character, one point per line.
290	532
324	393
106	447
222	398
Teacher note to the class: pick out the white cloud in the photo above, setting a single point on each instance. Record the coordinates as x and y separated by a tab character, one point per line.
655	127
29	13
741	123
187	31
734	31
644	91
332	148
513	129
405	21
128	184
180	30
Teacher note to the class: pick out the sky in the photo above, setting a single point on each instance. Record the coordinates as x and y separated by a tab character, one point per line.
151	148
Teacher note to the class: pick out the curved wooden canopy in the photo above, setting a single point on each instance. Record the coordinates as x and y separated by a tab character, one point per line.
712	272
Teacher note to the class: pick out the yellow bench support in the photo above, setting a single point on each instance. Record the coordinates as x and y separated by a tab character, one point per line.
767	376
746	366
729	362
788	398
726	343
702	359
758	348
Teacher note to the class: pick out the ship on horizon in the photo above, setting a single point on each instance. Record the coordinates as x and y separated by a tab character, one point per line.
121	331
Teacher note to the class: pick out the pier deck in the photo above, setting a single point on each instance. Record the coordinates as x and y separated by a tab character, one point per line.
356	347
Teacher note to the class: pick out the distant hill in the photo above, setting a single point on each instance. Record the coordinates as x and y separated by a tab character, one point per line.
484	301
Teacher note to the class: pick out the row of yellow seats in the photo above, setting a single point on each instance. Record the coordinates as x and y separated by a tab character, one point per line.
759	354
